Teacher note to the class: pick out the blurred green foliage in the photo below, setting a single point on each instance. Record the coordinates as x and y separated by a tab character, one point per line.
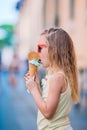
8	35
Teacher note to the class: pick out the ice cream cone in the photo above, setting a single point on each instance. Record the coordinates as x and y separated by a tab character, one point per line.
32	69
32	58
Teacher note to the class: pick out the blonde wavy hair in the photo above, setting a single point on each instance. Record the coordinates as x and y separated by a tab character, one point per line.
61	52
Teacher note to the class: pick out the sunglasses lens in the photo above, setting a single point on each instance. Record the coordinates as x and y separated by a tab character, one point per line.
39	49
40	46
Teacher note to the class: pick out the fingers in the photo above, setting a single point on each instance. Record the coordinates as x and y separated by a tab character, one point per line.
27	76
31	82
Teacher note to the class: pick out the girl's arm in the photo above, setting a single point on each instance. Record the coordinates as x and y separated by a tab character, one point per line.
38	83
47	108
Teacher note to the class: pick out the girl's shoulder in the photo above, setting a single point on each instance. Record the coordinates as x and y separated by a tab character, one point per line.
59	80
58	77
57	74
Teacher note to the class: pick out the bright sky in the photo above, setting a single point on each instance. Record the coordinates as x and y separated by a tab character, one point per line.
8	13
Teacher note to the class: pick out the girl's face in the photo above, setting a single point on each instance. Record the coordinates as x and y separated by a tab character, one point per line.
43	52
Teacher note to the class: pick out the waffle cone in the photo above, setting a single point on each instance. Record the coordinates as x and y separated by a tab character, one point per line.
33	55
32	68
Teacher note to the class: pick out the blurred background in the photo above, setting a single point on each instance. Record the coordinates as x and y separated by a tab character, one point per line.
21	22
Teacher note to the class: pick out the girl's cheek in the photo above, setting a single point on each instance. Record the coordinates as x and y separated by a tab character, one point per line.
43	53
40	54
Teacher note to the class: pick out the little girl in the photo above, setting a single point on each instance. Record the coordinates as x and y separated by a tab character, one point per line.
60	85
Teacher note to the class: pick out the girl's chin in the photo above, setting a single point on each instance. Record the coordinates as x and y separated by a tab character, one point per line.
45	66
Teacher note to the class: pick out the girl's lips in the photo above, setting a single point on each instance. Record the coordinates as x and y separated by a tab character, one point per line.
40	61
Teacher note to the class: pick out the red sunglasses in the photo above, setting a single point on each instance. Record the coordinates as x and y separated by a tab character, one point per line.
40	46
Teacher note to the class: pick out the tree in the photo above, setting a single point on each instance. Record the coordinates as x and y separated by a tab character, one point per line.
7	32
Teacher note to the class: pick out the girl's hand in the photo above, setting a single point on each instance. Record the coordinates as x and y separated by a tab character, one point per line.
30	83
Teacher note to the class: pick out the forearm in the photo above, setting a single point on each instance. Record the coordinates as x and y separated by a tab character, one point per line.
41	104
39	89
